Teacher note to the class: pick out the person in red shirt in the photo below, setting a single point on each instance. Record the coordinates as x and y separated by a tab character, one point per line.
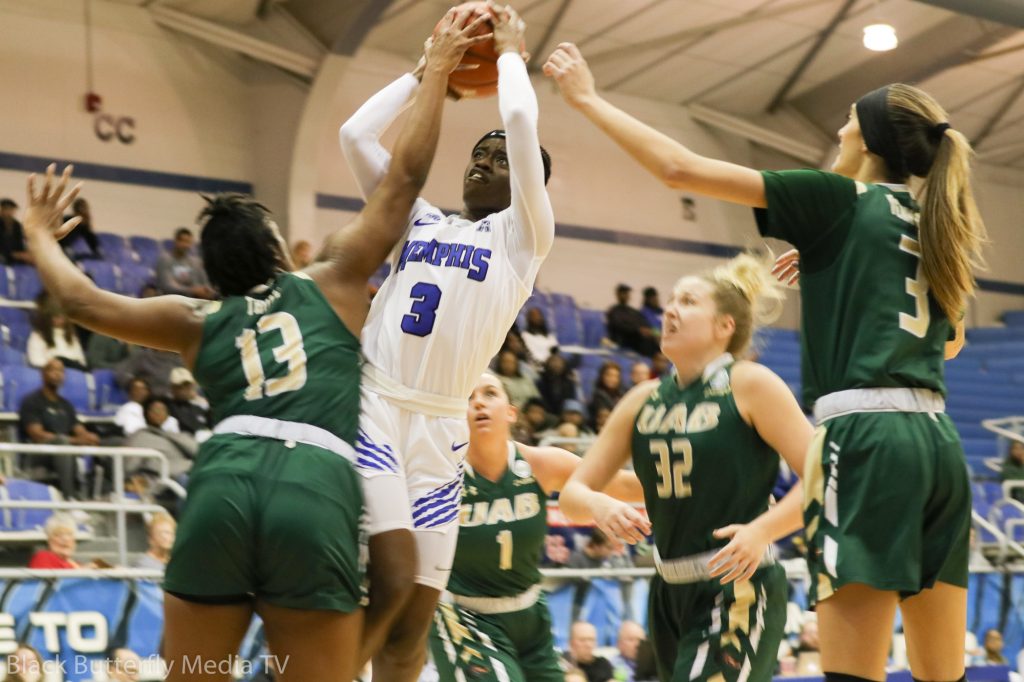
60	542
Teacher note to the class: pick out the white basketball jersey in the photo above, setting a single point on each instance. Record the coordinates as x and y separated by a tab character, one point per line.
446	307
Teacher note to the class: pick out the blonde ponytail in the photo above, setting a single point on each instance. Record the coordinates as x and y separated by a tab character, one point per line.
745	290
951	230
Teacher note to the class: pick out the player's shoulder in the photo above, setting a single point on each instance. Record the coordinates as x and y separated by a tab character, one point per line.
425	213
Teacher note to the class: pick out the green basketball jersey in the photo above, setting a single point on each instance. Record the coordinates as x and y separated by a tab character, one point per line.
701	466
502	526
868	317
282	353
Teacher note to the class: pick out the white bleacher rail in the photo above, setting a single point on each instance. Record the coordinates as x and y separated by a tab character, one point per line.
1002	539
119	505
559	441
1011	428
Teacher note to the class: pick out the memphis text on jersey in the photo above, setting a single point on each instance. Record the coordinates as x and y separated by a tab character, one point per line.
449	255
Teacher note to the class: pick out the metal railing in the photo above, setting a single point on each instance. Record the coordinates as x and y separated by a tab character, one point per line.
119	504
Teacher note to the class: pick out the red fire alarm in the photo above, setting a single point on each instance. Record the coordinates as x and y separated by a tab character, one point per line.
93	102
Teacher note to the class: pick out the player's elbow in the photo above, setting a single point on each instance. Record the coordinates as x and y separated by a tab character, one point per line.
348	135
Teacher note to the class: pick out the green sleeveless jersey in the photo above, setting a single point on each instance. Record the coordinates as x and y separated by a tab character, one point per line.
502	526
867	315
282	353
701	466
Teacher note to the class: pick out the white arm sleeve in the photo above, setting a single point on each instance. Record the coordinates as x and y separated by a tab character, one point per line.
533	222
360	134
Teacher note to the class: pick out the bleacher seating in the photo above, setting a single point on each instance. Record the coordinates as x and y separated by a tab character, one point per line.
147	250
115	248
24	283
25	520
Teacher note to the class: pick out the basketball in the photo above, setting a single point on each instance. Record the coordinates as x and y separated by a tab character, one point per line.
481	81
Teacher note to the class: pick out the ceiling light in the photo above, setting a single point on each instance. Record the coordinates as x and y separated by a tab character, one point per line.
880	37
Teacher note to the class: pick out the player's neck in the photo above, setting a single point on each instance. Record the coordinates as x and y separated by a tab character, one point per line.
691	367
475	214
488	455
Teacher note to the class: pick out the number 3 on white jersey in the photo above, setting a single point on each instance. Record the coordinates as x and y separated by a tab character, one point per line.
290	351
916	286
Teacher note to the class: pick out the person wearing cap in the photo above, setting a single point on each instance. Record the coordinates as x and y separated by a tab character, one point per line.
885	279
651	309
12	237
627	326
191	412
454	291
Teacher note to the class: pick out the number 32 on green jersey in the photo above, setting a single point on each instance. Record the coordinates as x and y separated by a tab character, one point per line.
672	475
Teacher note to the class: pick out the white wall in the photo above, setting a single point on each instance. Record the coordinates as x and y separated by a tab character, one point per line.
190	103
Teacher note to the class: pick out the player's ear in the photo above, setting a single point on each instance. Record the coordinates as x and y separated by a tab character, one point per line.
513	414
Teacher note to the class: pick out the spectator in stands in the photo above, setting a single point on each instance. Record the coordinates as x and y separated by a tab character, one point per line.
160	534
556	384
537	416
53	336
538	339
639	373
179	271
993	652
582	642
518	387
652	309
302	254
607	388
574	413
60	544
47	418
130	416
124	665
601	418
84	230
599	551
179	448
628	327
155	366
514	343
24	665
556	552
631	634
575	675
191	412
1013	468
12	236
104	352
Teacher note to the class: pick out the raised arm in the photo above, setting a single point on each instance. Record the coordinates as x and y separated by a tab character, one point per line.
532	218
355	252
360	134
668	160
553	466
172	323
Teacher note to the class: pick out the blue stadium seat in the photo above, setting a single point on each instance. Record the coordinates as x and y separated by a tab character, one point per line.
593	327
104	274
603	608
1014	318
560	608
567	326
77	389
18	326
107	395
114	247
29	491
25	284
146	249
19	381
134	276
5	281
11	356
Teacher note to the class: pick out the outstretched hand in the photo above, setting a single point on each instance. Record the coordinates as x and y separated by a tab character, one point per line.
46	207
452	37
509	29
787	268
569	69
621	522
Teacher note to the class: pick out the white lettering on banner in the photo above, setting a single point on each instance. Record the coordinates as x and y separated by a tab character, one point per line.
77	624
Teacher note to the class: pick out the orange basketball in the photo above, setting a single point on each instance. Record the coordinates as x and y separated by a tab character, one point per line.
481	81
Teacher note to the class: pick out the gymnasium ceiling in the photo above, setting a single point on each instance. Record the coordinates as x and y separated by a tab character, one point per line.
788	66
